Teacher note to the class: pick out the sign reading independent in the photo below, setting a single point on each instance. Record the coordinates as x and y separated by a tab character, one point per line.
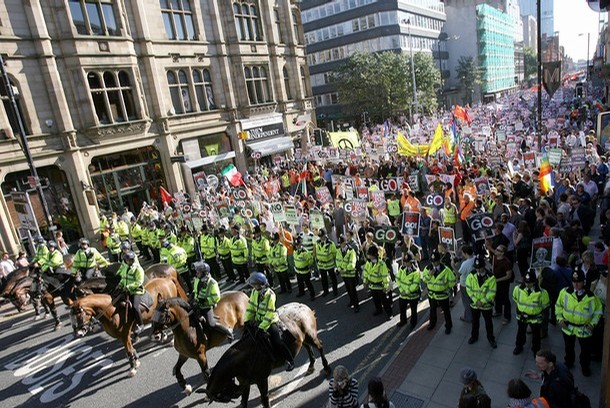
264	128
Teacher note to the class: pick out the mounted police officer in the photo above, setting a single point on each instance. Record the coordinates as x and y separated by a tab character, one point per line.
261	312
132	284
87	259
206	295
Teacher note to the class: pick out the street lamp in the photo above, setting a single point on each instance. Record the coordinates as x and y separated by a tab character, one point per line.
408	23
588	41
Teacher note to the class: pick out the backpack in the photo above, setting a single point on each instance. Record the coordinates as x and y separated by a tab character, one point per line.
579	400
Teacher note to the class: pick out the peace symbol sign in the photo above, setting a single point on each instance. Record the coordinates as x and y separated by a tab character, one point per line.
345	144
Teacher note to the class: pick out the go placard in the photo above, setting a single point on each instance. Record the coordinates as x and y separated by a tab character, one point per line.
240	193
447	236
385	234
434	200
316	219
410	224
481	225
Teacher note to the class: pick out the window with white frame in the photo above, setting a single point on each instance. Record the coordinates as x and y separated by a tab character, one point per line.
257	85
94	17
112	95
203	88
178	19
247	21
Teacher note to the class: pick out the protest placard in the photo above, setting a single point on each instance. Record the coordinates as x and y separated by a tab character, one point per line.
542	252
410	224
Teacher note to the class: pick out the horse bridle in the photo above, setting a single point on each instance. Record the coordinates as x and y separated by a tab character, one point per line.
161	317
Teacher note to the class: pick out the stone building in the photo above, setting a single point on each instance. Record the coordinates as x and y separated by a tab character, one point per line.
119	98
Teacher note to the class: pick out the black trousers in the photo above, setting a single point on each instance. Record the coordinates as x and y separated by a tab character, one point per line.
278	344
352	293
156	254
304	279
227	265
521	335
242	272
585	350
476	323
444	305
145	251
135	303
380	300
502	300
408	303
214	267
324	274
284	279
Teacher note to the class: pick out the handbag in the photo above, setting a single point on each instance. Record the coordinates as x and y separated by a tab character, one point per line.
601	288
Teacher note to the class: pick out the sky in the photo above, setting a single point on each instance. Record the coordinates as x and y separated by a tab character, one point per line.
573	17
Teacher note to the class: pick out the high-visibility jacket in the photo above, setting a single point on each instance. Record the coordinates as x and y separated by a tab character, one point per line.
412	204
408	282
207	242
53	260
303	261
122	229
176	257
393	207
104	223
239	250
285	180
135	230
187	242
145	236
485	292
326	254
207	293
278	257
153	238
260	250
224	247
439	283
578	312
88	259
41	253
113	243
132	279
171	237
261	308
449	214
466	210
159	237
530	303
375	275
346	262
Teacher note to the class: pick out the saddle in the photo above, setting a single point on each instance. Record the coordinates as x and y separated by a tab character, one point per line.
145	303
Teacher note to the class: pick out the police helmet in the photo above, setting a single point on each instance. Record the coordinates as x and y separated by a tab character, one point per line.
52	244
479	263
40	239
166	244
435	256
322	233
201	267
129	256
530	276
275	236
258	278
84	241
125	245
373	251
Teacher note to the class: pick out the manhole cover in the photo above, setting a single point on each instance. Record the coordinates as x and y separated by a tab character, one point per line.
401	400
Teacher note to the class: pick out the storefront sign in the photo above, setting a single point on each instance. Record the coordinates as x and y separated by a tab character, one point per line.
264	130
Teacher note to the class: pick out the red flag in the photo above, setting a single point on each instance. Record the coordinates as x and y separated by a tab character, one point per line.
461	114
166	197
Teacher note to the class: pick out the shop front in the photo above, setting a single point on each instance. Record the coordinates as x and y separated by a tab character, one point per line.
265	139
127	179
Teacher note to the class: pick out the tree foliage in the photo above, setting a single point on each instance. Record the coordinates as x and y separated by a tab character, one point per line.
469	74
380	84
530	61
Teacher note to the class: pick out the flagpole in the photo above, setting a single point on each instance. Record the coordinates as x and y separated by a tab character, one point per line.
539	71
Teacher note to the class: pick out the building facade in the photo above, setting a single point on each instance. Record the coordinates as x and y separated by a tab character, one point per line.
121	97
547	16
337	29
530	32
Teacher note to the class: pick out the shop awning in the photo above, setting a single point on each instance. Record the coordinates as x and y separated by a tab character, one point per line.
209	160
271	146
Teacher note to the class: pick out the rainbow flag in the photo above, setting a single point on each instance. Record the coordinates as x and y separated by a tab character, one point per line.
546	175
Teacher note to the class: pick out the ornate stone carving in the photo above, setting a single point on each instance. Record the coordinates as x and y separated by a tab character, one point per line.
122	129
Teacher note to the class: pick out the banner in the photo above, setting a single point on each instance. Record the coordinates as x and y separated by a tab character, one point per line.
447	236
434	200
410	224
542	252
555	156
378	199
344	140
445	178
291	215
385	234
323	195
277	209
482	185
316	219
356	208
481	225
551	76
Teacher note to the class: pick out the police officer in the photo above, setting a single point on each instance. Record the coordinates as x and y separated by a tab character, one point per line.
260	253
113	243
531	302
408	282
87	259
346	266
186	241
325	253
278	262
206	295
439	279
303	264
239	253
135	232
261	312
223	243
208	245
578	310
481	288
41	250
176	257
377	278
132	284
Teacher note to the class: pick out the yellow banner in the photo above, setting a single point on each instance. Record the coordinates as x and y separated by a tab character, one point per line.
344	140
406	148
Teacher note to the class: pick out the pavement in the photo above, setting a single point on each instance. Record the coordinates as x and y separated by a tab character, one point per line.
424	372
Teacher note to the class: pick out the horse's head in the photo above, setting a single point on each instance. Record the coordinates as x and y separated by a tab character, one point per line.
161	318
80	320
223	393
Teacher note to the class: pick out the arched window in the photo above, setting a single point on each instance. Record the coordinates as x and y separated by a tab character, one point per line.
112	96
287	84
304	82
203	88
13	117
179	91
257	84
295	28
247	21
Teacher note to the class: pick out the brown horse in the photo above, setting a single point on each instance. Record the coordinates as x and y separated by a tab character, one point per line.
162	270
115	318
251	359
16	290
174	313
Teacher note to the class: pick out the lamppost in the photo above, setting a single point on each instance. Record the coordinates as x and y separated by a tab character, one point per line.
588	41
408	23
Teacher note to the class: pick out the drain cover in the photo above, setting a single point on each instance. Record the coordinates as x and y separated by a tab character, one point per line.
401	400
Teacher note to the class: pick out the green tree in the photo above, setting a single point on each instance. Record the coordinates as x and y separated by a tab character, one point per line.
469	74
381	84
530	61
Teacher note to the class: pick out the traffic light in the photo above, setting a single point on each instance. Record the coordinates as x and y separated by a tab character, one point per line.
579	90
